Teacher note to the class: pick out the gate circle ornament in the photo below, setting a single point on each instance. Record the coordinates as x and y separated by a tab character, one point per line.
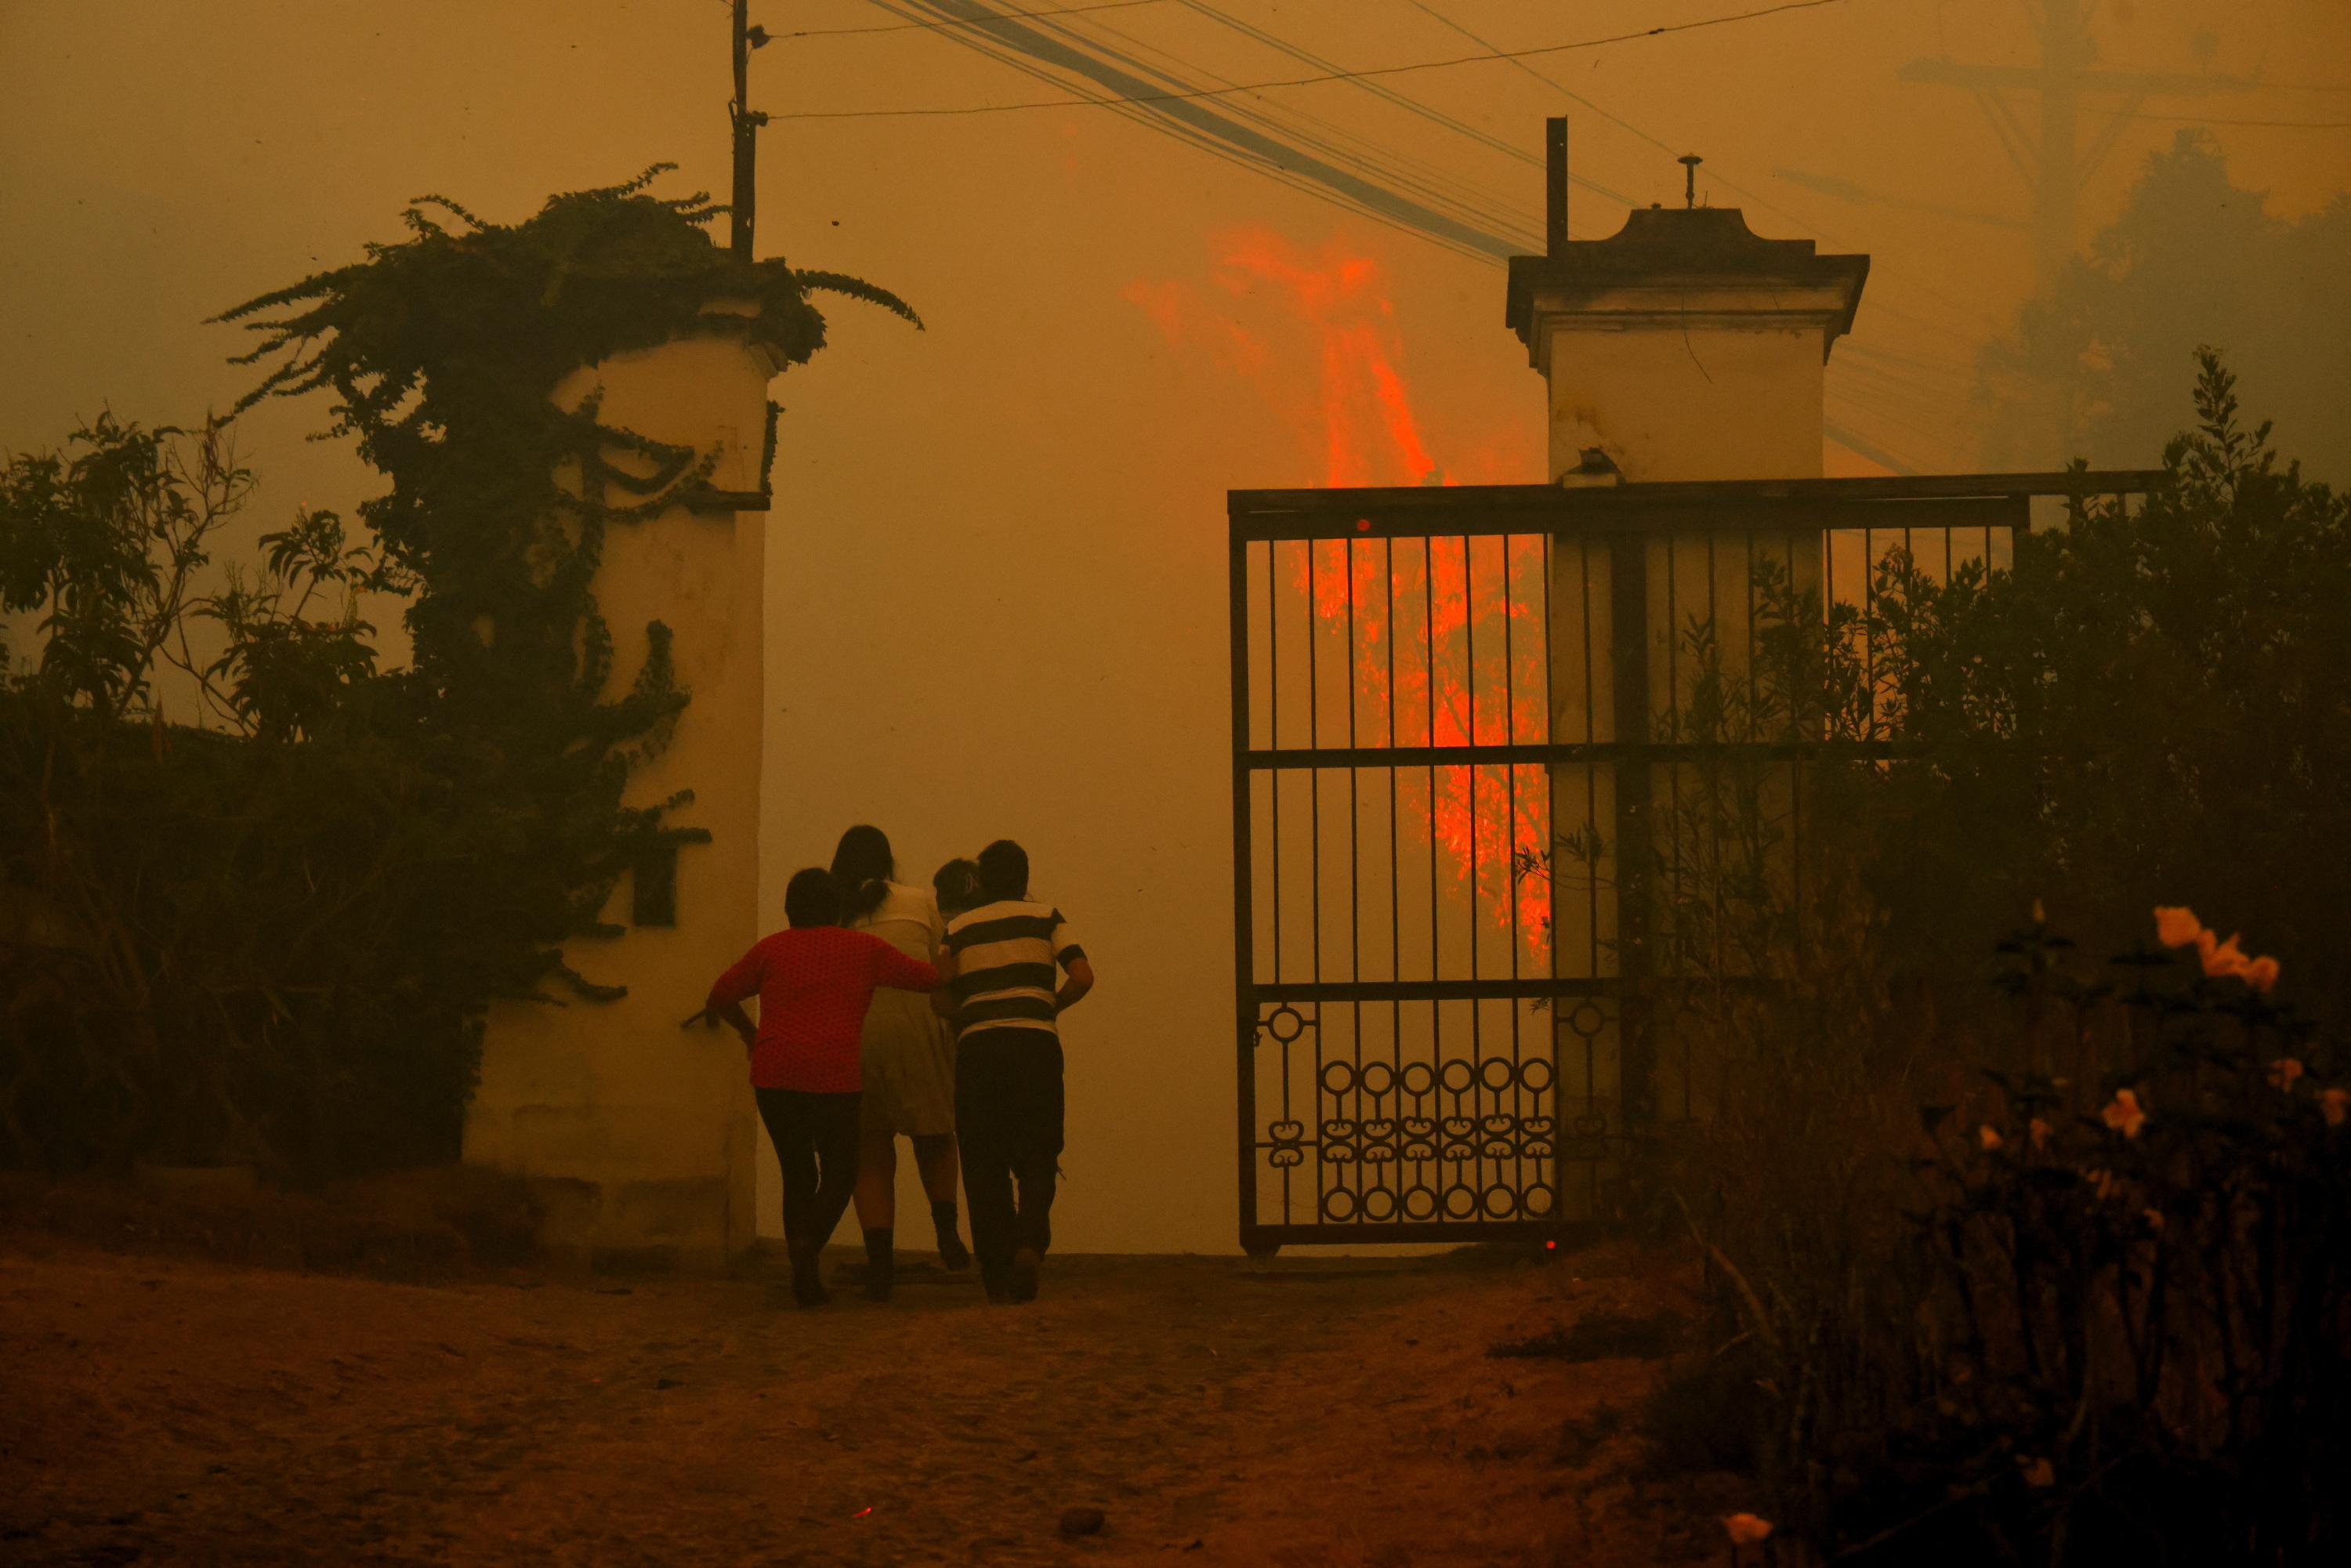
1537	1200
1456	1076
1496	1081
1338	1079
1420	1201
1417	1079
1285	1023
1338	1205
1498	1201
1460	1201
1587	1021
1538	1074
1376	1079
1379	1204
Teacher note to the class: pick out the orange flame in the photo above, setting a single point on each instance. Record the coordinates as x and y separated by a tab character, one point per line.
1483	638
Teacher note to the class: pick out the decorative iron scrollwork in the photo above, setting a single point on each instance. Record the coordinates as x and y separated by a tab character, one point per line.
1289	1145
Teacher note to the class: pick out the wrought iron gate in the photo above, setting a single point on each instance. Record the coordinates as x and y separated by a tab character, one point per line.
1431	689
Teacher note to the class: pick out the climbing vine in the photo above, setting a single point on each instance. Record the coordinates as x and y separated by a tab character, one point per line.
443	353
272	934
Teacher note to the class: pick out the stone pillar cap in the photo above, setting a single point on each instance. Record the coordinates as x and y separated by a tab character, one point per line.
1671	266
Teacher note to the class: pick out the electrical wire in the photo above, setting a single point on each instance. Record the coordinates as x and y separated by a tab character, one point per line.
2208	119
1243	157
1402	100
1713	173
969	22
1756	15
1871	403
1425	182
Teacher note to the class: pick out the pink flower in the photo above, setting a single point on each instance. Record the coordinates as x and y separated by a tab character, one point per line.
1746	1529
2284	1072
2123	1114
2221	958
2226	960
2335	1105
1989	1137
2176	925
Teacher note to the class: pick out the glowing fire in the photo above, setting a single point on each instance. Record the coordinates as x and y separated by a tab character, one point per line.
1467	596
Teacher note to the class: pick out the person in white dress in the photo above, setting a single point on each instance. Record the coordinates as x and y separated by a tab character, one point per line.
906	1060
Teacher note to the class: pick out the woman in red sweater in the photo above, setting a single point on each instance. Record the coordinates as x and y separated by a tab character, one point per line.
813	983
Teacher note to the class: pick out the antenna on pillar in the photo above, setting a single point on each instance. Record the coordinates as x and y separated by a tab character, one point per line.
745	122
1689	163
1555	185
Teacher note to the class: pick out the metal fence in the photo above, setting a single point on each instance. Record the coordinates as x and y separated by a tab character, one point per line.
1467	725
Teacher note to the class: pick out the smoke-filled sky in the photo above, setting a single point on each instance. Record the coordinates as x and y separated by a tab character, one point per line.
996	575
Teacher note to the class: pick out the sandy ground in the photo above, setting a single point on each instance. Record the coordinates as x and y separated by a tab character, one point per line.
179	1410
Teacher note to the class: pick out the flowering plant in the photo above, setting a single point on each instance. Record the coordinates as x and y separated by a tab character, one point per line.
2139	1321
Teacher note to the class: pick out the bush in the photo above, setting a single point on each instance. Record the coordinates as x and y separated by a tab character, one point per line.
269	932
2008	1330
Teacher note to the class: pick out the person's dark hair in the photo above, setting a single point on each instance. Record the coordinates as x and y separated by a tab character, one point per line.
812	898
957	885
1004	870
861	869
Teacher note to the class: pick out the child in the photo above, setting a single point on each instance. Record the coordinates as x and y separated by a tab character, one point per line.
956	883
813	982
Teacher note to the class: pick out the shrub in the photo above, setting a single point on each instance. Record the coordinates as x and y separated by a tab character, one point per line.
268	932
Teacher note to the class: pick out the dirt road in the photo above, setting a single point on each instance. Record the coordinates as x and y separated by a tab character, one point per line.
168	1410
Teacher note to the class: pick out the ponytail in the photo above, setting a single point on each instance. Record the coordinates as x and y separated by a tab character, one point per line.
862	903
862	865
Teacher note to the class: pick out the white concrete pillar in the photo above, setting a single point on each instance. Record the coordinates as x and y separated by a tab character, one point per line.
639	1136
1683	348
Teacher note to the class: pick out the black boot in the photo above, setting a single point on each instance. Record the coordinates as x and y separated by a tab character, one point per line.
881	1263
808	1281
953	1255
1026	1263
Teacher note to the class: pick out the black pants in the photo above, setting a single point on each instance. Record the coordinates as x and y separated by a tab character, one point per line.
816	1144
1009	1123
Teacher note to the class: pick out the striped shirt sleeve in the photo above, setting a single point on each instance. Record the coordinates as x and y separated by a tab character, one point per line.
1064	941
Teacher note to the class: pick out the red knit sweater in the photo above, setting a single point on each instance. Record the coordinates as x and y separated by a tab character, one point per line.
813	984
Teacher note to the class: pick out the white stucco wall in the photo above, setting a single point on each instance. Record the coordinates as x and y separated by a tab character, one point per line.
1674	379
640	1134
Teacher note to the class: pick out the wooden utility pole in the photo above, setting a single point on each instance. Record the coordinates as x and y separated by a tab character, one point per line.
2051	159
745	122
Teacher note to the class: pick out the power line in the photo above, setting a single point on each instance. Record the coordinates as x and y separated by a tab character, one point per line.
1365	196
1426	182
969	21
1757	15
1402	100
2274	124
1714	174
1251	150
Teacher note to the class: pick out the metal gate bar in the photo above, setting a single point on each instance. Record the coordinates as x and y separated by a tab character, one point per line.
1376	1103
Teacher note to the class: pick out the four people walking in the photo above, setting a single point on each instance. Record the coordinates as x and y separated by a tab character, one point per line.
847	1056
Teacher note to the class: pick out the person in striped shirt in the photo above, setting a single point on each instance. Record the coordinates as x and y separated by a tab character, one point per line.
1010	969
